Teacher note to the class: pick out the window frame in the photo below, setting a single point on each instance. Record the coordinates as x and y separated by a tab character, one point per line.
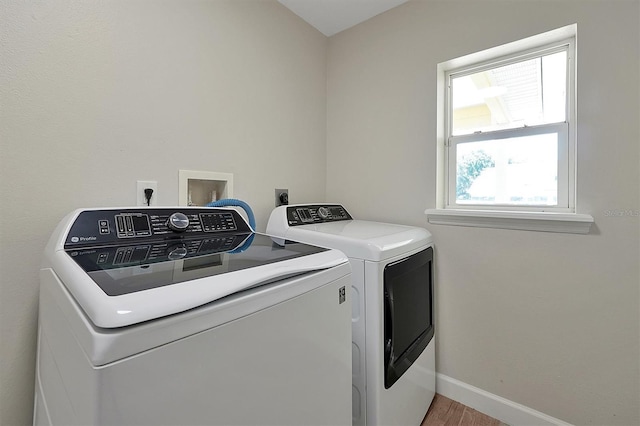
494	58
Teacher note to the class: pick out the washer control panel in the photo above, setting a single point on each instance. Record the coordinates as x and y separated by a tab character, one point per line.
104	227
316	213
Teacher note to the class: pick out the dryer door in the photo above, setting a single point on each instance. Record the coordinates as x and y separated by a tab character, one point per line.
408	312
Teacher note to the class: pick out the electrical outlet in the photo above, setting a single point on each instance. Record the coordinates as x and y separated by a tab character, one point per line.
282	197
140	197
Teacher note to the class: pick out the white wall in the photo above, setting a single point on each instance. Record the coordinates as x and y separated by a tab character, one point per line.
96	95
547	320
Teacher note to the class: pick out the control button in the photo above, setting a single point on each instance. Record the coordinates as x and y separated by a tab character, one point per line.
305	215
104	226
120	222
178	222
212	222
323	212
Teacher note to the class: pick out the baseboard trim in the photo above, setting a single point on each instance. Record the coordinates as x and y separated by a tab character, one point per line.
499	408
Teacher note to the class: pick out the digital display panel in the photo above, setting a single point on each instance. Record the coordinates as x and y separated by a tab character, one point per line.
140	224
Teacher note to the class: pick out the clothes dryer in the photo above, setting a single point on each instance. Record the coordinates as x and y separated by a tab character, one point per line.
393	346
185	316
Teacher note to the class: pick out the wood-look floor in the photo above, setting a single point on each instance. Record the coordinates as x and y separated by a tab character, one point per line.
447	412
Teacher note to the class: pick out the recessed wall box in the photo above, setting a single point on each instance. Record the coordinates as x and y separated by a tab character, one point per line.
198	188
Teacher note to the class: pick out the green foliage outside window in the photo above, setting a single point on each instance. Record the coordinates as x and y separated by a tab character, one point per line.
469	169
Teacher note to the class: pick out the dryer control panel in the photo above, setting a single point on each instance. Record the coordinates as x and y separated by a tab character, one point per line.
106	227
316	213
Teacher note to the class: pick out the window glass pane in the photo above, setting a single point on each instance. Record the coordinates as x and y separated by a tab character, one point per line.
528	93
515	171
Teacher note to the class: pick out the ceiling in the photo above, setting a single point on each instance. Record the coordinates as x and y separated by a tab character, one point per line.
332	16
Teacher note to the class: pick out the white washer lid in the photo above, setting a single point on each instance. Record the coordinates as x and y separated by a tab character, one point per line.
362	239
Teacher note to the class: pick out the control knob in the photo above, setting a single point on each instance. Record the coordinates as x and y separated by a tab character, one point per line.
323	212
178	222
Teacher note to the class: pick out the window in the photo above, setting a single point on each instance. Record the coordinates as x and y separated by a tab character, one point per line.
509	132
506	130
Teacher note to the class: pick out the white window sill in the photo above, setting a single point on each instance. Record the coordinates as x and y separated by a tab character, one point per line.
572	223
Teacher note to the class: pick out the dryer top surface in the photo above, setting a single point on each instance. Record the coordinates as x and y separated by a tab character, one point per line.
331	226
361	239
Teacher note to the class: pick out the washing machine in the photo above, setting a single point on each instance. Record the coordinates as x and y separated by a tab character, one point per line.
393	372
185	316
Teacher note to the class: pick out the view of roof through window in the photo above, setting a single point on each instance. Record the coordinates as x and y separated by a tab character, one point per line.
523	93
